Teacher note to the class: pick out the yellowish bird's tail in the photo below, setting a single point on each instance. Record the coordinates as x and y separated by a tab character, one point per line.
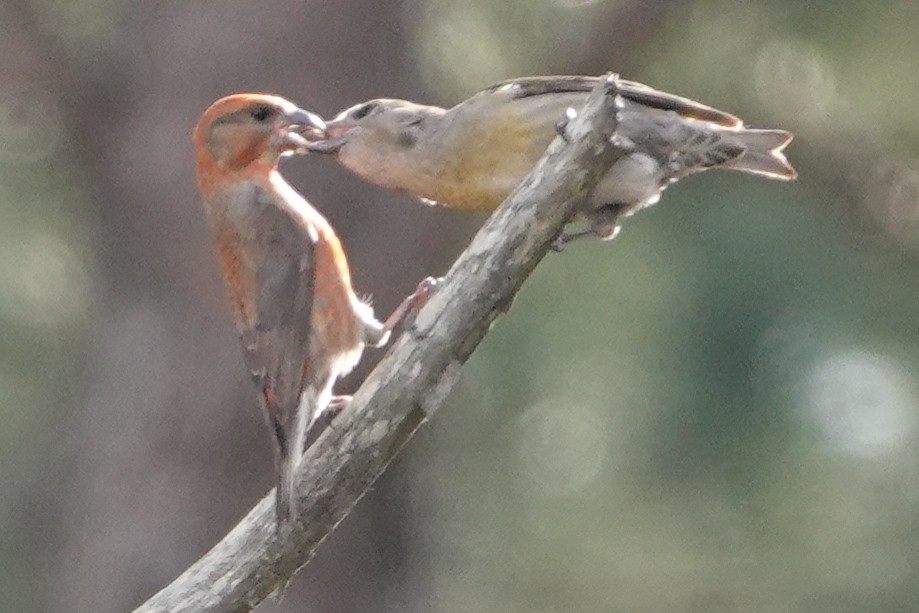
763	155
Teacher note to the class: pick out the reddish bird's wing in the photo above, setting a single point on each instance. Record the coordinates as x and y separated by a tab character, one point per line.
277	345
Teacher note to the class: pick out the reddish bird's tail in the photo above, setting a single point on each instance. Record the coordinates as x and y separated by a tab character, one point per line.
290	436
284	501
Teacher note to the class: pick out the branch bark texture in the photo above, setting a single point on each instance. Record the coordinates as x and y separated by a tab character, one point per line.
412	380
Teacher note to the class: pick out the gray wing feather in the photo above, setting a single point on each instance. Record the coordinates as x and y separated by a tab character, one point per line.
279	342
630	90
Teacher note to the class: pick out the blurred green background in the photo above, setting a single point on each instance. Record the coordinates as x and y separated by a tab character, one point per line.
715	412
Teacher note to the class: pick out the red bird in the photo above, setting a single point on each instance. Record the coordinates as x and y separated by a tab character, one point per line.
300	324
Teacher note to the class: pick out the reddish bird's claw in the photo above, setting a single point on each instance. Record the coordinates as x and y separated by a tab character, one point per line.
425	290
422	294
409	307
336	405
322	421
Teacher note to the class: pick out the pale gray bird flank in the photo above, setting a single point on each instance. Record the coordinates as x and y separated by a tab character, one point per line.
472	155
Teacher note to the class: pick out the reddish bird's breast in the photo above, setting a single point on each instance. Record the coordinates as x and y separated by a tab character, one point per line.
335	326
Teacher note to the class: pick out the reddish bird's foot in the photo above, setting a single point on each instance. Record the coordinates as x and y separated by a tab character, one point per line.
322	421
422	294
413	303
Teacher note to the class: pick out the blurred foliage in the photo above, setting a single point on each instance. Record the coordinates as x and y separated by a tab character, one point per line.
715	412
44	310
462	47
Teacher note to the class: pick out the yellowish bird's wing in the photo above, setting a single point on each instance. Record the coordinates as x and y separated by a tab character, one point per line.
488	143
630	90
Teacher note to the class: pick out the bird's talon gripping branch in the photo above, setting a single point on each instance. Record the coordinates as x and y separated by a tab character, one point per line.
558	245
412	303
425	290
604	233
607	233
324	419
561	126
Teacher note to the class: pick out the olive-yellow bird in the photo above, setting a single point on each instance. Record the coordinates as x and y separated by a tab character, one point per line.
472	155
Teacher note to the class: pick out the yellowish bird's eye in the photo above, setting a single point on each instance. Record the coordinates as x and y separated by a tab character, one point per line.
364	110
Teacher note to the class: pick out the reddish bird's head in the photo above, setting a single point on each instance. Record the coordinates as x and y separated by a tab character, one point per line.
245	129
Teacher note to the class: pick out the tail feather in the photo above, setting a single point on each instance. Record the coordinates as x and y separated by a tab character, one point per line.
284	503
286	461
763	155
289	442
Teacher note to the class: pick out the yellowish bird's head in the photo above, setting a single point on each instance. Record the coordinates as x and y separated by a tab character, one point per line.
384	141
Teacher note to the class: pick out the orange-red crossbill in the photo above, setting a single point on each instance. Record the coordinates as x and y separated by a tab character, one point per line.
472	155
299	321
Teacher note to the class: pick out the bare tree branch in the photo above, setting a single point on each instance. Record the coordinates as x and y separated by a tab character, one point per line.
411	382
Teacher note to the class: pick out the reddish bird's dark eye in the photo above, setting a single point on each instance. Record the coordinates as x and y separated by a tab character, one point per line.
260	112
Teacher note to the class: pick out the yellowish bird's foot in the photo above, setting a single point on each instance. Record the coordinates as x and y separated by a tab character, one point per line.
604	233
561	126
